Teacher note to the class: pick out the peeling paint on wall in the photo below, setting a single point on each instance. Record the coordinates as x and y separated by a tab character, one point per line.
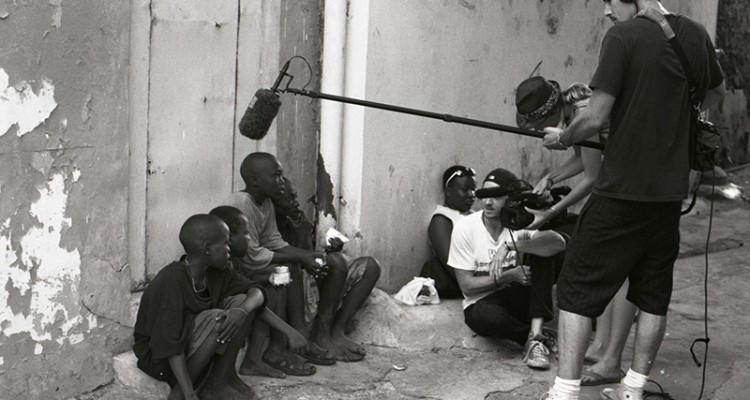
42	289
22	107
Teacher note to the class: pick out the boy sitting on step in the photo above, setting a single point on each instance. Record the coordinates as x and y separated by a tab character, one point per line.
194	316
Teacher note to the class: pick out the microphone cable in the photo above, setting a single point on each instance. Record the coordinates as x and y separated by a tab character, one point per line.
705	339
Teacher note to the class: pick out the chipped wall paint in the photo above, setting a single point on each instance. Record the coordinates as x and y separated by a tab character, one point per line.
20	106
48	273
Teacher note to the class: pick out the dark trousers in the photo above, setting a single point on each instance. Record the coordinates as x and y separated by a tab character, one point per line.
507	313
444	277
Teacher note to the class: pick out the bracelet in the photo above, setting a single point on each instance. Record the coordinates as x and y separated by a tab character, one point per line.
237	308
559	140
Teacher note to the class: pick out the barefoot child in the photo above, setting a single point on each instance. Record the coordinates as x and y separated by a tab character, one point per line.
195	313
344	289
276	300
262	174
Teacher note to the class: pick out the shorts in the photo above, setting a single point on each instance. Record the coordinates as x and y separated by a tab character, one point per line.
203	324
355	270
617	240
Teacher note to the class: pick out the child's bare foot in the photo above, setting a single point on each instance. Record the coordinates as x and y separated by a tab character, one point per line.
260	368
338	350
350	345
236	383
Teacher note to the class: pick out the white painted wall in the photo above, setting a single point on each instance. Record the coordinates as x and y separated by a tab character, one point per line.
463	58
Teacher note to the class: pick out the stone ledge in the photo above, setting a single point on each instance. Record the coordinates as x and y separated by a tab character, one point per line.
128	374
385	322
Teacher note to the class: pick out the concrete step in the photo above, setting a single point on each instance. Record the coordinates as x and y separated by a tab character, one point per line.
381	322
128	374
385	322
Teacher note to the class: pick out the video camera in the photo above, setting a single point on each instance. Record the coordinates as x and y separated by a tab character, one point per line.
514	215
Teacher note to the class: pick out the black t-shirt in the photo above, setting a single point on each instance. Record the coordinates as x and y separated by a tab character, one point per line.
646	157
168	308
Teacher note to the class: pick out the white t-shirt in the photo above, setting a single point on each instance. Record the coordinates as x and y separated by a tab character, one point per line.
472	249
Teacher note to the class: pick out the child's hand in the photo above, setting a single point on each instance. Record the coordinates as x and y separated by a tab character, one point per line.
315	263
335	244
233	320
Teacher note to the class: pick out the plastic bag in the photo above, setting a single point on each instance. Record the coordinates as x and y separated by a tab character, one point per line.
417	292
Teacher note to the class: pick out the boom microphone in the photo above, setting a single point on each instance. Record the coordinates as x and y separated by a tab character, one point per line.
262	110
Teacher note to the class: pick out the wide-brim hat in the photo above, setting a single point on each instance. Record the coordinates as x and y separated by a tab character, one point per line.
538	103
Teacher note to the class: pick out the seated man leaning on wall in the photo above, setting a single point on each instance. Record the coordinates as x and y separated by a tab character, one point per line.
458	186
501	298
345	289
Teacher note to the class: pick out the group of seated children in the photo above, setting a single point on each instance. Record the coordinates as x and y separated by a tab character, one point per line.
198	312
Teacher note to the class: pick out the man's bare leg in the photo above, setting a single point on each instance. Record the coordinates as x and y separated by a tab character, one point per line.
351	303
598	347
573	336
623	313
648	336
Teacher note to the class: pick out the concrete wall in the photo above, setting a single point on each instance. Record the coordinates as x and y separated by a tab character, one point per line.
463	58
63	195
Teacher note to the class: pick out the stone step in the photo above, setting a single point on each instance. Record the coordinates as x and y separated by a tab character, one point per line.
381	322
128	374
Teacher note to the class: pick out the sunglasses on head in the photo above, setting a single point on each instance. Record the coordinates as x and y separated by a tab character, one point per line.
459	172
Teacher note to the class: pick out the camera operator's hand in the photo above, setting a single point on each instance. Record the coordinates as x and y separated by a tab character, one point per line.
543	185
520	274
552	139
541	217
496	265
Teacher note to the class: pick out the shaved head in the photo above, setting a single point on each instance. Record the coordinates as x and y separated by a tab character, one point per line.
200	229
254	164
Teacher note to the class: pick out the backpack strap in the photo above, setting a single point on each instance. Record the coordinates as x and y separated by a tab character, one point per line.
656	16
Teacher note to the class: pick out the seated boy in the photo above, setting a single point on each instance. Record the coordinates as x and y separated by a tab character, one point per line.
502	299
278	354
194	316
345	288
263	175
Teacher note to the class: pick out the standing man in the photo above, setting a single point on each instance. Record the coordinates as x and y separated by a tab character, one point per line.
629	228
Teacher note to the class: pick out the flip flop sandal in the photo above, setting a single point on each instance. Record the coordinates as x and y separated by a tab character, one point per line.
285	367
315	356
595	379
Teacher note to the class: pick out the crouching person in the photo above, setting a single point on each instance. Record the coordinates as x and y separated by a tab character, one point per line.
501	298
194	316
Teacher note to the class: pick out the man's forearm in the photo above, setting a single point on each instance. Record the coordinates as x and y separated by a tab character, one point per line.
544	244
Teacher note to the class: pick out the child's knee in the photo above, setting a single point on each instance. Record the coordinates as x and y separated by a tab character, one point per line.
372	268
